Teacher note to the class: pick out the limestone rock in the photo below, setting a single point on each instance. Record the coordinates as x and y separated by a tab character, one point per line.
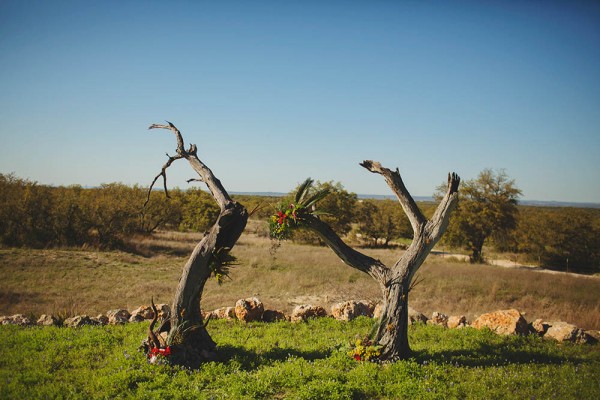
142	313
136	318
456	321
304	312
565	332
540	327
503	322
223	313
119	316
101	319
164	311
415	317
17	319
273	316
378	310
248	310
348	310
48	320
79	320
438	318
595	335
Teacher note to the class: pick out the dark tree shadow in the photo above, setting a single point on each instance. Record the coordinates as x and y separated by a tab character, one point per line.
153	249
496	354
252	359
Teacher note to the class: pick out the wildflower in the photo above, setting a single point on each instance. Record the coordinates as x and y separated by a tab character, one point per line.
282	217
365	350
163	352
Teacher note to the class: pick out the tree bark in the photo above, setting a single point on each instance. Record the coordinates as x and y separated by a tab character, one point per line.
395	281
477	251
191	342
392	330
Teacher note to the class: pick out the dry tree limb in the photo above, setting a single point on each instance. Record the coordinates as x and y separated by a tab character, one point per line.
196	345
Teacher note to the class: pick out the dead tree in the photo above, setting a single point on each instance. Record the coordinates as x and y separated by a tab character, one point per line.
394	281
188	341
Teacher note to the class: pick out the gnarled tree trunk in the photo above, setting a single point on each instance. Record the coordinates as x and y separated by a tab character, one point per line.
189	342
395	281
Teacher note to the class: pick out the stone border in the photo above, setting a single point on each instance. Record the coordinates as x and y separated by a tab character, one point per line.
503	322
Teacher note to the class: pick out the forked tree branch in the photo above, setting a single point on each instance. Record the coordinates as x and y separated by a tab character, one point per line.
162	173
206	175
440	219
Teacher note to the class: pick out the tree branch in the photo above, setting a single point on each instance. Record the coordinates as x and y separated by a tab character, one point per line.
206	175
348	255
394	181
171	127
440	219
162	173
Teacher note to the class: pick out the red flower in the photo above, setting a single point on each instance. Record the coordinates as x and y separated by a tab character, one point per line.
166	351
282	217
163	352
357	357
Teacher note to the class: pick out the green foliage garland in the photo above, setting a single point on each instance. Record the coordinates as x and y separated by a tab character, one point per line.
290	216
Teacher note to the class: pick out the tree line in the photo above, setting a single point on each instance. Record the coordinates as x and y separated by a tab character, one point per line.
488	218
488	215
36	215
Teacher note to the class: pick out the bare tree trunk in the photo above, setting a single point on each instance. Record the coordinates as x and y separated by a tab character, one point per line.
392	331
395	281
189	341
477	251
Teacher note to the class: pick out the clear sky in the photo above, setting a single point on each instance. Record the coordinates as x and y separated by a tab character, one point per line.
275	91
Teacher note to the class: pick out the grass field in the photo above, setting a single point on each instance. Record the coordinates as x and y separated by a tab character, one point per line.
75	281
285	360
296	361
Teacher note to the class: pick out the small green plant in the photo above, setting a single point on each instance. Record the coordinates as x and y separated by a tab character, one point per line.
365	350
176	336
220	263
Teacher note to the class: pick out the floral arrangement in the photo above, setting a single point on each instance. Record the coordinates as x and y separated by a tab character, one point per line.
281	224
158	355
290	216
364	350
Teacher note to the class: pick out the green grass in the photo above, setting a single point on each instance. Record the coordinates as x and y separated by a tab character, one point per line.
297	361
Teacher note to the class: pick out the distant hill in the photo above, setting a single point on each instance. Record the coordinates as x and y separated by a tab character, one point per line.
538	203
541	203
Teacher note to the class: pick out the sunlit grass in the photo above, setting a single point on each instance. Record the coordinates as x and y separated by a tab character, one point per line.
298	361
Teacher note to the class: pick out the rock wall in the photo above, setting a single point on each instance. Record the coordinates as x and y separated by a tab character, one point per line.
503	322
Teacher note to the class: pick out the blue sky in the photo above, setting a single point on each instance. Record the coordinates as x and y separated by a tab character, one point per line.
275	91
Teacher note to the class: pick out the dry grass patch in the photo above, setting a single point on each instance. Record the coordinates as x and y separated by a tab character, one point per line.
76	281
71	281
475	289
